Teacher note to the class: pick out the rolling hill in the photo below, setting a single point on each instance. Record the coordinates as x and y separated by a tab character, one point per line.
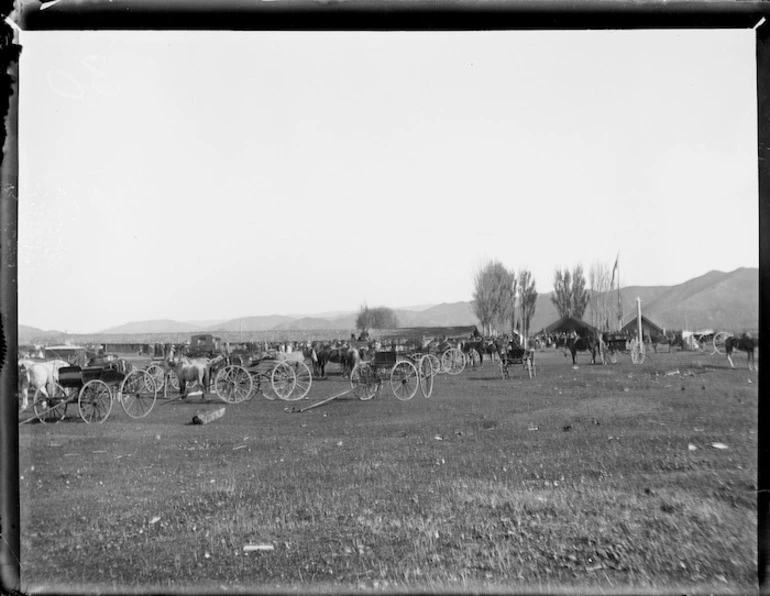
716	299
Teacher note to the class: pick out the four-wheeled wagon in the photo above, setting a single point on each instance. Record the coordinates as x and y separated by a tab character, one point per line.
94	388
406	375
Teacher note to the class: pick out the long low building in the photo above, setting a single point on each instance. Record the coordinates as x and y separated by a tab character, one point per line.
417	333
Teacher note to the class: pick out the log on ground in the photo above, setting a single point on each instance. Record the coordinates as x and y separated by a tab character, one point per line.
206	416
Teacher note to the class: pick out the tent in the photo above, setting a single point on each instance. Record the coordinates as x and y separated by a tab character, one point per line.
649	329
570	324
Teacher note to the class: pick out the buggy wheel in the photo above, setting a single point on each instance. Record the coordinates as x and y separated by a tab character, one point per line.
529	364
719	342
95	401
435	364
453	361
503	366
404	380
637	353
173	381
233	384
51	408
138	393
158	375
364	381
426	376
283	380
303	381
265	388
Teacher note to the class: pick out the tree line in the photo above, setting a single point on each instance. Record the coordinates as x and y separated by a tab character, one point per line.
505	302
502	300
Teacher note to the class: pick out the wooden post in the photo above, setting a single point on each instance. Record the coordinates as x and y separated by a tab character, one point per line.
639	321
323	401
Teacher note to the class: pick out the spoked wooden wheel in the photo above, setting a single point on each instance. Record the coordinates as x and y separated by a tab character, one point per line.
158	375
637	353
453	361
50	408
283	380
404	380
233	384
426	376
262	384
303	381
173	381
435	364
364	381
95	401
529	364
138	393
503	365
719	342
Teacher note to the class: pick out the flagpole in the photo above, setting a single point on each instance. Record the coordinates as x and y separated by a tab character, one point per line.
620	306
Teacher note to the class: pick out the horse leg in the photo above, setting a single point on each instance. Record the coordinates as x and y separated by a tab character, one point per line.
730	360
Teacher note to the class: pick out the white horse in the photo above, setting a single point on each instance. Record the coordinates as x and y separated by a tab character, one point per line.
38	376
192	371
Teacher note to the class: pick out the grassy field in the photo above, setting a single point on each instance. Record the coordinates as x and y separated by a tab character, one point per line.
597	478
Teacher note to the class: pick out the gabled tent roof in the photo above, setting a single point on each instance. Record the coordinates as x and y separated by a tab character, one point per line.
646	324
569	324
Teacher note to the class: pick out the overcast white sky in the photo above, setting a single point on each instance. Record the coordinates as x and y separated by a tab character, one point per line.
213	175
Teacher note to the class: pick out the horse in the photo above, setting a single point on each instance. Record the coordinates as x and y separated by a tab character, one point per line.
480	347
589	343
192	370
744	343
40	376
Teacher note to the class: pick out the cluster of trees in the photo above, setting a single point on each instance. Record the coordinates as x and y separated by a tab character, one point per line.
376	318
570	296
502	300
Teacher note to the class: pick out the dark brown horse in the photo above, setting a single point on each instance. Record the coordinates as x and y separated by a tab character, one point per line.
744	343
481	347
583	344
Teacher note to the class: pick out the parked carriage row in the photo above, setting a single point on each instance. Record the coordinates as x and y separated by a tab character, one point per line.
94	389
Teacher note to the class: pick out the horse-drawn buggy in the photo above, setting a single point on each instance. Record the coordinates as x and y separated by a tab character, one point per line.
94	388
406	374
512	354
279	375
443	355
615	342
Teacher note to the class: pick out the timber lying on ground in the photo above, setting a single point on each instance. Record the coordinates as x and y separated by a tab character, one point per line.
206	416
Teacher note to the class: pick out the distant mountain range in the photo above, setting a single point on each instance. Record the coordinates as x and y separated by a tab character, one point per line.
718	300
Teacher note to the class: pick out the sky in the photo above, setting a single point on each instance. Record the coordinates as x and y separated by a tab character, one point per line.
214	175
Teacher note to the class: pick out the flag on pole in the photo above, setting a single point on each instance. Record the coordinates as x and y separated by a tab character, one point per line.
614	269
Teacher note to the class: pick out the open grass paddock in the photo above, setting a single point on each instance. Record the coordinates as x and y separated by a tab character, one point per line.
600	478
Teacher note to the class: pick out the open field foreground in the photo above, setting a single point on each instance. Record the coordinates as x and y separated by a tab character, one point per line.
601	478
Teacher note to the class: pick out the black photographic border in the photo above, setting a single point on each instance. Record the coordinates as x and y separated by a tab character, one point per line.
347	15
